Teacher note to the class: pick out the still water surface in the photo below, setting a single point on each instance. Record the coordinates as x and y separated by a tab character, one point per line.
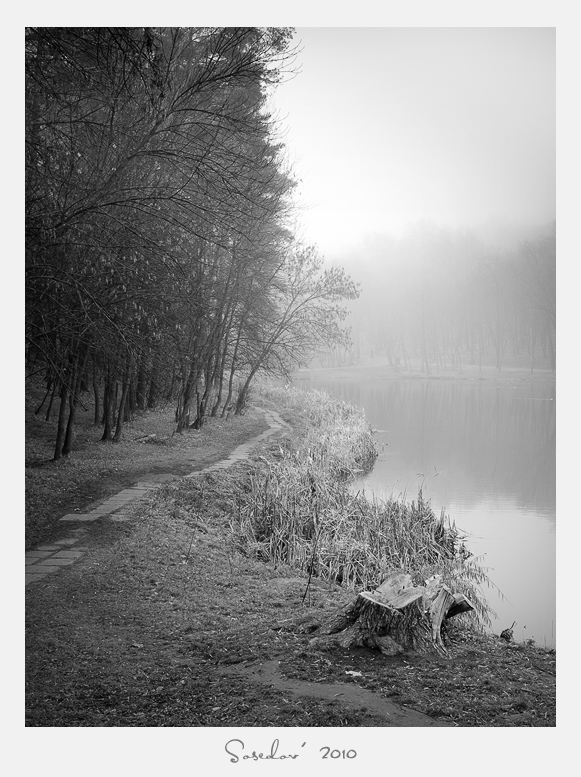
485	451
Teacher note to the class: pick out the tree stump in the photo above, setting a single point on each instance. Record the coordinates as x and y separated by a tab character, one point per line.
397	616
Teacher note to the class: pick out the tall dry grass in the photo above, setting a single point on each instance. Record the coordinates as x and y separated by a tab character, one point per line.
297	509
338	437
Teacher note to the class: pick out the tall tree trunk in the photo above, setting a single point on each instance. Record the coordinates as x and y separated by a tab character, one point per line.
232	372
52	396
121	411
78	380
200	411
218	401
186	401
203	403
242	396
219	374
108	409
70	433
230	392
60	432
130	404
97	413
49	388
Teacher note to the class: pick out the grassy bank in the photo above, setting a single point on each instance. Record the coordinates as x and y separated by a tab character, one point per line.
169	616
297	509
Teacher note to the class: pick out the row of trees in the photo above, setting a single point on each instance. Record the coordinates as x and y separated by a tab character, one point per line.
439	298
158	260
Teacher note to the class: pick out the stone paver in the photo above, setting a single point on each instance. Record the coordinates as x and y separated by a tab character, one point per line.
49	557
54	562
113	504
68	554
40	568
37	567
275	423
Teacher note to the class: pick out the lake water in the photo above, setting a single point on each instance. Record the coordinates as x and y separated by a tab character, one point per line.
485	451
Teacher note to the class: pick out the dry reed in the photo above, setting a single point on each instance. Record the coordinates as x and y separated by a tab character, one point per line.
297	509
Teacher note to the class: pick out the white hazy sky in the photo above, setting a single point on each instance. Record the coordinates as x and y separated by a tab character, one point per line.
387	126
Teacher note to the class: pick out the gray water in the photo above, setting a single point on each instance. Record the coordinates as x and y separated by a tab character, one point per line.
484	450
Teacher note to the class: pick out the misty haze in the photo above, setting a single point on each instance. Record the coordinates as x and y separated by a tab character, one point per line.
291	378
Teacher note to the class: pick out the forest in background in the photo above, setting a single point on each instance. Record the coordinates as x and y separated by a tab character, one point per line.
437	298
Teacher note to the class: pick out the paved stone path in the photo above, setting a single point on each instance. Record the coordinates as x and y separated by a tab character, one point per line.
48	558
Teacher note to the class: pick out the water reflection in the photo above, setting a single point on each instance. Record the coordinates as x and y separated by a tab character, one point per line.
485	451
517	545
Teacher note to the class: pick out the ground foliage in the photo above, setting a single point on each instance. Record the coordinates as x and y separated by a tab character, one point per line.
160	623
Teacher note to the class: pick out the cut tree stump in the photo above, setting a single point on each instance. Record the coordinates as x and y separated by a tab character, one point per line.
397	616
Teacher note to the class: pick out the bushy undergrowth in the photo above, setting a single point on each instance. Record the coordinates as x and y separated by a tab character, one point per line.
297	509
338	439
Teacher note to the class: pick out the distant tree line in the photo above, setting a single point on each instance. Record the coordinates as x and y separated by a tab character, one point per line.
158	262
439	298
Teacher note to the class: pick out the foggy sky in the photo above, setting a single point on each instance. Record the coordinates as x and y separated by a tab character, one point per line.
389	126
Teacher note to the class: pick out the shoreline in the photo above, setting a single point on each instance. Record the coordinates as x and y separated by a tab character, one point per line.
164	622
380	369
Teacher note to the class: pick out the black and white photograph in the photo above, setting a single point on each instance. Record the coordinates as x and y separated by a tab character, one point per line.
290	387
